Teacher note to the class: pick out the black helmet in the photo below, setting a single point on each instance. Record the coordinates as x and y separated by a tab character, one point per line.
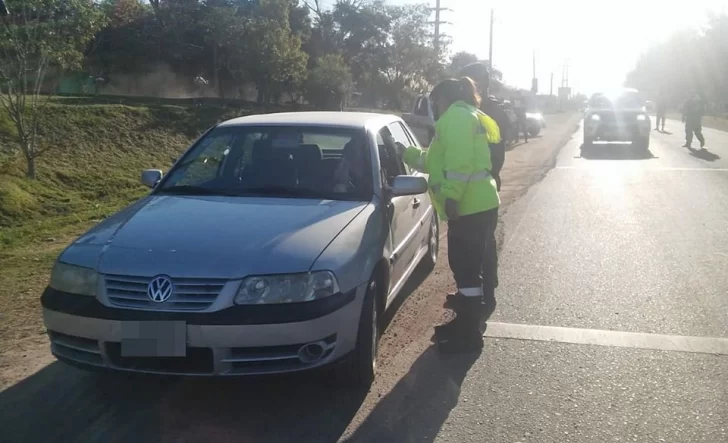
479	72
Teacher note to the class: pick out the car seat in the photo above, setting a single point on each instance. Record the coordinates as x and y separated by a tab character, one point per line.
308	161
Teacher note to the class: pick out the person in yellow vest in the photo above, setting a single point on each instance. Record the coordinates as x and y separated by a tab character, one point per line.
465	195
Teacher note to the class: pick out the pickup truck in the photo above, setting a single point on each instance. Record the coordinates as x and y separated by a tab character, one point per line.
421	120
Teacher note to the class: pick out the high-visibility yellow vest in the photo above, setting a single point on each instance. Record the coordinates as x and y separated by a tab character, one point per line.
458	160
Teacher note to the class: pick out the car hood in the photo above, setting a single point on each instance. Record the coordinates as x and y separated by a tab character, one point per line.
220	237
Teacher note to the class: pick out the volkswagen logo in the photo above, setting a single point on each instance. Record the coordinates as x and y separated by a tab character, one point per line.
160	289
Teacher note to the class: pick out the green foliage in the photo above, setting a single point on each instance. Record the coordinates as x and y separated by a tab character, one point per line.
39	35
328	82
686	62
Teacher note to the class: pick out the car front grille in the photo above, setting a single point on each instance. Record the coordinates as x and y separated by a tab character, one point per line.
190	294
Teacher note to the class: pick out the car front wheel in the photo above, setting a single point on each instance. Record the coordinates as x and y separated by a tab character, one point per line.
642	143
360	368
433	243
588	143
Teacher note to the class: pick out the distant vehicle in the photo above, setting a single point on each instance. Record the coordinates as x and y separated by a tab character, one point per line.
535	122
617	116
274	244
421	119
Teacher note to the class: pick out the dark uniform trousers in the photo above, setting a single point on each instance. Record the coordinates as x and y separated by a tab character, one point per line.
693	127
472	253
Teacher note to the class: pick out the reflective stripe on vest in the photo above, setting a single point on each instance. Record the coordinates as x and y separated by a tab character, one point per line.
466	178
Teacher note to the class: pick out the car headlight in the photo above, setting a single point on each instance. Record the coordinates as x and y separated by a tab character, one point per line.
74	279
286	288
595	117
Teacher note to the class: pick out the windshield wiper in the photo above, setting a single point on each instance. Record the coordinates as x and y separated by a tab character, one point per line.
193	190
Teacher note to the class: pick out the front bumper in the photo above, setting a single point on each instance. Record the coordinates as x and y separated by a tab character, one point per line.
616	130
243	340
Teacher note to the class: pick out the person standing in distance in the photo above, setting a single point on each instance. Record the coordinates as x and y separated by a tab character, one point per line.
465	194
692	116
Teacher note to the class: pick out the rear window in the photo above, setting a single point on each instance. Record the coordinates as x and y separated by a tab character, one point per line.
282	161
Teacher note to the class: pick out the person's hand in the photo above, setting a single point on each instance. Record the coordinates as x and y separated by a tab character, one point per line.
451	209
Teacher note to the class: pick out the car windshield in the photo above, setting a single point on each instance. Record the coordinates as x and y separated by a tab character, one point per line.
617	100
293	162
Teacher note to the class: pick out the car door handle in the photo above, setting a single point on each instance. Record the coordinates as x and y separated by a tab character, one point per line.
416	202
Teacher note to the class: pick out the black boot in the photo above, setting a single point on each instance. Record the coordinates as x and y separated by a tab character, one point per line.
448	330
464	334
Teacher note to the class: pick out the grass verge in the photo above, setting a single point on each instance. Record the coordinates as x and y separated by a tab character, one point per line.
99	148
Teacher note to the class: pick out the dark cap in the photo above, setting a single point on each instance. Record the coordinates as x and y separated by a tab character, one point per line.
479	72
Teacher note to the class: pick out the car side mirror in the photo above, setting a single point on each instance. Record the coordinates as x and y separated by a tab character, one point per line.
408	185
150	177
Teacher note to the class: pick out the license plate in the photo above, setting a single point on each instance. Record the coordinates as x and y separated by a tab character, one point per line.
153	339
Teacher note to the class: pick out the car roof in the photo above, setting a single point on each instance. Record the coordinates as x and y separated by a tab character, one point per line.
314	118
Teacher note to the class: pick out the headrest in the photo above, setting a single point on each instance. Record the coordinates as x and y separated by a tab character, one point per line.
308	153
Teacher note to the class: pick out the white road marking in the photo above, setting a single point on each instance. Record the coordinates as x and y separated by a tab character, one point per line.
666	168
677	343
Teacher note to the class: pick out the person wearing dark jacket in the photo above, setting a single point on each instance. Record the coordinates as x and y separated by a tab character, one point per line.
480	74
692	116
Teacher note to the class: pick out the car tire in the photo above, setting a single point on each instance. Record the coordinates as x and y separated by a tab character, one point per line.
642	143
587	145
533	132
433	243
360	368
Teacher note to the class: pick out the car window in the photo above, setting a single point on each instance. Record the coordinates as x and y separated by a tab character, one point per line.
306	162
205	166
389	160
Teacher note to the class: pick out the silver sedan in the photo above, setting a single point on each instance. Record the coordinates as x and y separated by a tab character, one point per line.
274	244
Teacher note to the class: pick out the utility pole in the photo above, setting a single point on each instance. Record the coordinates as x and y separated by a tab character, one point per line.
551	88
438	22
534	80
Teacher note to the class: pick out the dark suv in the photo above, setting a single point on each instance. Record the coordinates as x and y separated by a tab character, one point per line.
617	116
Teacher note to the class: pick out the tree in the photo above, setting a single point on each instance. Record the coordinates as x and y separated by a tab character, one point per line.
272	56
38	36
686	62
459	61
410	53
328	82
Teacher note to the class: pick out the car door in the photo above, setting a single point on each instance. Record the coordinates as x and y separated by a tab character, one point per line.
402	209
422	204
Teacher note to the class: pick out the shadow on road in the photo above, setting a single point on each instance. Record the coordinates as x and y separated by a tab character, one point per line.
614	152
664	132
704	154
61	404
417	407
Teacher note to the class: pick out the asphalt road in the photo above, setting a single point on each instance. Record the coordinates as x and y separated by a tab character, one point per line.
604	245
609	242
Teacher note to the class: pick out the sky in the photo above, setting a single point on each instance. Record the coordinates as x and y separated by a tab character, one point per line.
601	40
